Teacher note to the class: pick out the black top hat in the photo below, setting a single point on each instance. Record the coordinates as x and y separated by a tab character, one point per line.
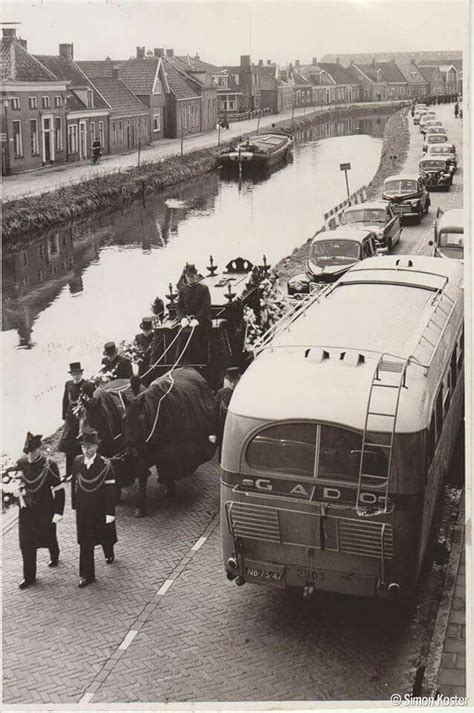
75	367
146	323
90	438
232	373
109	348
190	269
31	443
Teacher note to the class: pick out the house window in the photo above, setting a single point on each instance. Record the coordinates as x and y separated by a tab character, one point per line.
156	119
114	132
92	131
15	103
34	137
101	133
46	102
17	140
58	102
222	81
120	131
145	128
58	133
72	138
33	102
229	102
90	98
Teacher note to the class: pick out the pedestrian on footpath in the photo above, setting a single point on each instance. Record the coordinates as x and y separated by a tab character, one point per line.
73	390
93	499
41	496
456	110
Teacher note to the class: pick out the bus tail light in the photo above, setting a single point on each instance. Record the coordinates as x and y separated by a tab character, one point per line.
232	563
393	589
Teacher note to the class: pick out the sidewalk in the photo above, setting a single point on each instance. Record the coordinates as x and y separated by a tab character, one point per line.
52	177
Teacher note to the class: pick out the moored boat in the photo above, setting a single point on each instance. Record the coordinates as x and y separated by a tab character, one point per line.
259	151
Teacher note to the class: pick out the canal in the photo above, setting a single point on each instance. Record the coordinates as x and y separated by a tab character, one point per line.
71	289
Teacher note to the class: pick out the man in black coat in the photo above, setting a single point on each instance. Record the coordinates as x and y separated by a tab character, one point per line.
193	309
114	363
41	507
73	390
143	342
223	397
93	499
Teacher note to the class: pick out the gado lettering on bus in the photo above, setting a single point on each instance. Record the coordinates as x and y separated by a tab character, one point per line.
309	492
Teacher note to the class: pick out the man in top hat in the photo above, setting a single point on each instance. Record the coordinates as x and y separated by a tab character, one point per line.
223	396
93	499
73	390
193	309
143	342
114	363
41	507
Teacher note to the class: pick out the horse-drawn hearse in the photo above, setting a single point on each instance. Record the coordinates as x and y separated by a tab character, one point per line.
167	418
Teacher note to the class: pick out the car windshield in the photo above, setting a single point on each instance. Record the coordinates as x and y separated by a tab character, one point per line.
441	149
326	253
451	239
367	216
436	139
400	186
435	165
435	130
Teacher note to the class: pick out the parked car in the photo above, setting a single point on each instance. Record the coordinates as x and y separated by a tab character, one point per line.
418	114
427	116
449	234
331	254
434	139
377	216
435	130
435	173
407	195
432	123
448	150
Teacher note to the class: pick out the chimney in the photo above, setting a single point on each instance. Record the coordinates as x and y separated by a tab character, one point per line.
244	61
66	50
170	53
196	56
115	72
315	60
140	53
260	62
159	52
297	63
107	59
269	61
9	33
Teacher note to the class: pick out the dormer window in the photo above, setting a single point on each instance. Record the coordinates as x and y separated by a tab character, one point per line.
222	81
90	99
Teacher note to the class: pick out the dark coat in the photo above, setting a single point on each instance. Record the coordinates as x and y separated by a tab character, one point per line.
93	497
43	496
143	342
120	367
223	397
195	300
69	439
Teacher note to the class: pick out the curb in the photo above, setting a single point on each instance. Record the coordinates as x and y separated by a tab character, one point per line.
441	624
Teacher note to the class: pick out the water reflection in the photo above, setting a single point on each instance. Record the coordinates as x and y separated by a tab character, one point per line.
75	287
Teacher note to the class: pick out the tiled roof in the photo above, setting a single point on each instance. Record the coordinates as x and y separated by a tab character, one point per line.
336	71
65	69
73	103
102	68
19	65
139	74
181	86
197	65
428	71
391	71
267	77
119	97
411	72
354	75
369	70
441	57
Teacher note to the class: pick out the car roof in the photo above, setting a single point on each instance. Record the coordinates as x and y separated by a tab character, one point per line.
343	233
428	136
369	204
402	176
452	218
446	143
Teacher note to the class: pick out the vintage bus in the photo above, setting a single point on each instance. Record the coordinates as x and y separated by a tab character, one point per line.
339	435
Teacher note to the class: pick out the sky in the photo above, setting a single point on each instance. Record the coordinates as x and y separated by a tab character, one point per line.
221	31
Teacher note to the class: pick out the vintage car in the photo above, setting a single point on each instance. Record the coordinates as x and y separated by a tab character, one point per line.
429	130
418	114
407	195
377	216
448	150
435	173
431	139
427	116
449	234
432	123
331	254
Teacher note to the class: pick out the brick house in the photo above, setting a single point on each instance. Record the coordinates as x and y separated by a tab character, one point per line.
129	118
372	80
204	73
183	99
142	77
448	73
33	114
249	84
434	78
417	84
276	93
397	85
87	113
346	88
229	95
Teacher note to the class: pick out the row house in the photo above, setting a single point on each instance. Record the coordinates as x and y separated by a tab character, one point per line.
434	78
246	77
142	77
345	89
129	118
448	73
372	81
204	73
33	116
87	113
183	99
229	96
276	94
417	84
397	85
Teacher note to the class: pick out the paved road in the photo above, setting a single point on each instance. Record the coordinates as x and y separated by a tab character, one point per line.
164	624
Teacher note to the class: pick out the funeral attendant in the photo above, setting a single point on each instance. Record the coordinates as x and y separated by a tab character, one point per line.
93	499
41	496
73	391
193	309
143	342
114	363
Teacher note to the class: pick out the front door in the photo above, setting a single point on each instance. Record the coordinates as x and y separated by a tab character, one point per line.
48	140
82	140
128	134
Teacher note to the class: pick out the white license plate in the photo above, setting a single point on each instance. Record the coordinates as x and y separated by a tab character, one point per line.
263	573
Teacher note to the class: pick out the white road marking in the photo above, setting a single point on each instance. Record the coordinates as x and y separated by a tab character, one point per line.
86	698
198	544
164	587
128	639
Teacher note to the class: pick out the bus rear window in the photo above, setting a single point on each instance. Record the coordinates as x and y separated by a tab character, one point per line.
315	450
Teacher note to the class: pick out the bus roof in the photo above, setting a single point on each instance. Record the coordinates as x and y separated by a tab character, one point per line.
377	308
452	219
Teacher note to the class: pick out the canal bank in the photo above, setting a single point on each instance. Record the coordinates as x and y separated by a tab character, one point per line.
124	186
